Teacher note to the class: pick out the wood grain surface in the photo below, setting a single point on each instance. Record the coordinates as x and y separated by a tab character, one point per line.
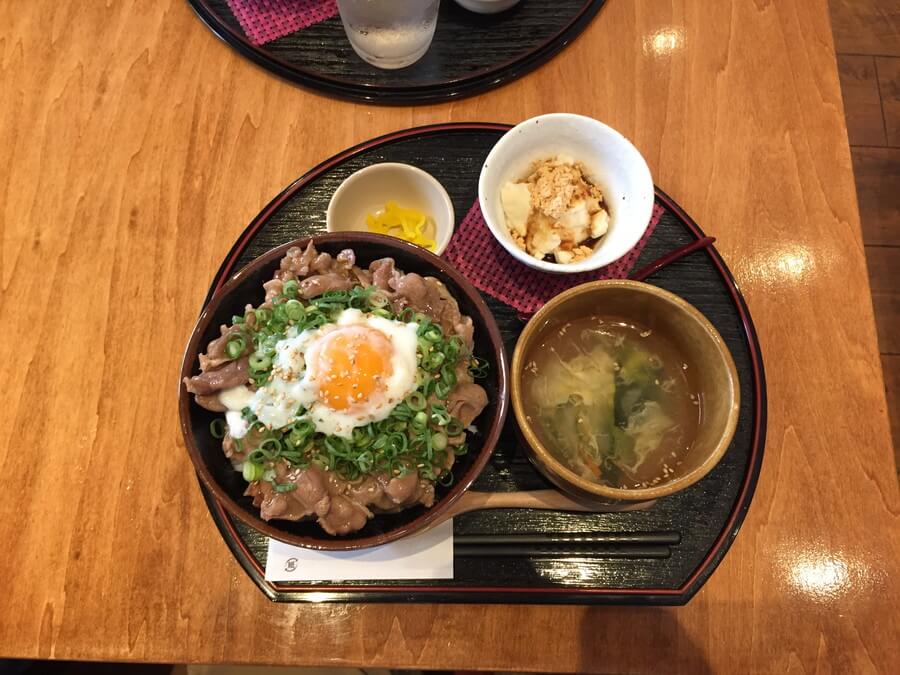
136	147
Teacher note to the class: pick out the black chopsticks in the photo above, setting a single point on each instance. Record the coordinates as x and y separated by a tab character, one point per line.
552	545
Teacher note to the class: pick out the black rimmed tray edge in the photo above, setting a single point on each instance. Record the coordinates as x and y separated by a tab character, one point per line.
334	592
480	82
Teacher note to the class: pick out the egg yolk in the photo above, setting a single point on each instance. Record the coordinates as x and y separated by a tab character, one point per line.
352	364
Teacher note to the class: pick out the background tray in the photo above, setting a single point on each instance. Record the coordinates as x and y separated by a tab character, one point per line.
707	516
471	53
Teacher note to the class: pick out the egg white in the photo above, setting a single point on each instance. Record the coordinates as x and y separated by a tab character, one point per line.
293	385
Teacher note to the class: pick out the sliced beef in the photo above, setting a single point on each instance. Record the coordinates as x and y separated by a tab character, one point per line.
466	402
273	289
340	506
345	260
430	297
466	330
209	382
272	505
344	516
322	264
363	277
296	262
215	355
383	273
426	492
319	284
369	490
235	454
312	491
318	494
401	489
211	402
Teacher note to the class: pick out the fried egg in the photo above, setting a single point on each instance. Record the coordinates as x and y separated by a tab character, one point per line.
340	376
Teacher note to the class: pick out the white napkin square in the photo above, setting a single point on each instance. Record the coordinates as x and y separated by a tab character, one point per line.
428	555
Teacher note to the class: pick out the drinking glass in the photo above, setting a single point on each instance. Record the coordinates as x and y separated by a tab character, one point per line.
389	33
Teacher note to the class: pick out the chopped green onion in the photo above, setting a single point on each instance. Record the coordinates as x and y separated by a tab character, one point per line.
454	427
439	441
285	487
439	415
252	471
263	315
448	375
433	360
361	438
269	343
478	367
442	389
304	427
416	401
365	461
235	346
290	288
294	311
259	363
433	334
256	456
399	467
453	347
217	428
270	447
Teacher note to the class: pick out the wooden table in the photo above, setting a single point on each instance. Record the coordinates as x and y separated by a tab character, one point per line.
137	147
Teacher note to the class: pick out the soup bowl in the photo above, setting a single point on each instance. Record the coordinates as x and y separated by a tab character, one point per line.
697	342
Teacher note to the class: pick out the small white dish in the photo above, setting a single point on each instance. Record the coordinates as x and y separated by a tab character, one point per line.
612	163
370	189
486	6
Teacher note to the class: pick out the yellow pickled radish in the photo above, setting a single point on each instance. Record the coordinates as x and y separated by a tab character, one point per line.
407	224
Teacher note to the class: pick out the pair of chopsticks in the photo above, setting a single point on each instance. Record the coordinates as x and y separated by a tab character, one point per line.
605	545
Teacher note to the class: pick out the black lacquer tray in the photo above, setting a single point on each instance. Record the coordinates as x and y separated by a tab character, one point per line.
704	519
471	53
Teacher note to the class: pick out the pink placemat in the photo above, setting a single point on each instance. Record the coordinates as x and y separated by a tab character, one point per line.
474	252
267	20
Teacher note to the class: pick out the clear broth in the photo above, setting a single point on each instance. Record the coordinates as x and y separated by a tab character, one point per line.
612	400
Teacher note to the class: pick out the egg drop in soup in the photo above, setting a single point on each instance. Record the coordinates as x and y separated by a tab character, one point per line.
612	400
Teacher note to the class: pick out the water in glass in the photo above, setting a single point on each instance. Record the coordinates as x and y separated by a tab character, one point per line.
389	33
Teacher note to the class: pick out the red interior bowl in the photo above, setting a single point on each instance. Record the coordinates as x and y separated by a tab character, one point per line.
227	485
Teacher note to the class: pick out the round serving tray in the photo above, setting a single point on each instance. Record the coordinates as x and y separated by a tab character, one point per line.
700	523
471	53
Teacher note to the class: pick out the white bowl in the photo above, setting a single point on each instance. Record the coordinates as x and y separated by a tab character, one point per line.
369	189
486	6
612	163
